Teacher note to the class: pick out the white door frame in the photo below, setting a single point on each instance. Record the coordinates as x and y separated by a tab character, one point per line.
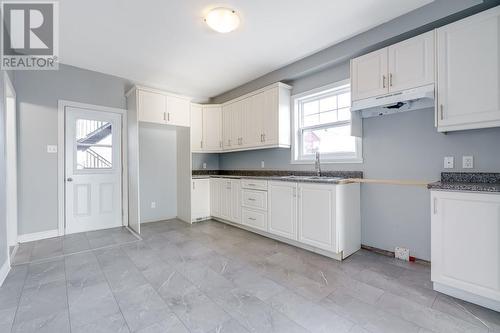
61	158
12	203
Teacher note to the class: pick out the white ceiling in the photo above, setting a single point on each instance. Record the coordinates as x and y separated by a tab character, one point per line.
165	43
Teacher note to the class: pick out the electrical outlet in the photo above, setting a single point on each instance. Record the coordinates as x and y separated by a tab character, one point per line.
468	162
153	204
449	162
204	165
262	164
51	149
402	253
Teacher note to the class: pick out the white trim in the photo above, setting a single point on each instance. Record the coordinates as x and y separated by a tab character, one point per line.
62	104
37	236
467	296
161	220
4	271
12	225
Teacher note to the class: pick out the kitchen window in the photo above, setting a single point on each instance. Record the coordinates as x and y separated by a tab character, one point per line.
322	123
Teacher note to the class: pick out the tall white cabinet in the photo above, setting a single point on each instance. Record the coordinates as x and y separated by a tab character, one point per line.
465	246
468	75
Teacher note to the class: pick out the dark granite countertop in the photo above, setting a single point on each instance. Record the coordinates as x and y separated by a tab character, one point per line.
327	177
468	182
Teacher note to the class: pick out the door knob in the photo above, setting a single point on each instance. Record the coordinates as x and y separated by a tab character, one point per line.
69	179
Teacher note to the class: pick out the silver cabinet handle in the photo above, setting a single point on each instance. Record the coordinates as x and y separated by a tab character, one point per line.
252	219
168	116
383	81
434	203
194	186
263	137
441	111
294	192
69	179
201	144
250	199
220	144
390	79
164	116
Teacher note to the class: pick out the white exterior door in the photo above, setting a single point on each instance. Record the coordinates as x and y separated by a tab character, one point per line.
468	75
282	214
411	63
93	170
369	75
316	216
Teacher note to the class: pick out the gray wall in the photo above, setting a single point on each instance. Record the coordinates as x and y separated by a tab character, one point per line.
38	93
3	223
158	171
401	146
212	161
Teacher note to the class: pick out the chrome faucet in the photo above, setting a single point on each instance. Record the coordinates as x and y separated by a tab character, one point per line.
317	165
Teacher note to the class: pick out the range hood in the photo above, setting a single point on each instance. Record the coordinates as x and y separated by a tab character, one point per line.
406	100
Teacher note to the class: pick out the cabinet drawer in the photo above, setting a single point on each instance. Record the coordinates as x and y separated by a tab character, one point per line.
255	219
254	184
254	199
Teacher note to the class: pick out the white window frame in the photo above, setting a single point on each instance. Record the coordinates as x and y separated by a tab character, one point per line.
297	156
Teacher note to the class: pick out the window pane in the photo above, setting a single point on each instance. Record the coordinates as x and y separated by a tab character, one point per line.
330	140
311	120
345	114
344	100
94	144
328	104
328	117
310	108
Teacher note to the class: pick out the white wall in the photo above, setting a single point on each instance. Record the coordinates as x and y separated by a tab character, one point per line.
157	171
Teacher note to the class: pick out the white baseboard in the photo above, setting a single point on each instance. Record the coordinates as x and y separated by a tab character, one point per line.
4	271
37	236
159	220
467	296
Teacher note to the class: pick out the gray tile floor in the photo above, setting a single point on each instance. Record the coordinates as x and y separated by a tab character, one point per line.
211	277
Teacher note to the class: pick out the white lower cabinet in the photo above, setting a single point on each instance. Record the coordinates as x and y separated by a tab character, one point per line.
320	217
465	250
225	199
282	209
316	216
200	196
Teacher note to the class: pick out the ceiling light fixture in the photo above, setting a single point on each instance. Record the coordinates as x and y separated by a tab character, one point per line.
222	20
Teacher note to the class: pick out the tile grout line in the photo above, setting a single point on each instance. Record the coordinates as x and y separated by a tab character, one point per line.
19	298
111	290
67	296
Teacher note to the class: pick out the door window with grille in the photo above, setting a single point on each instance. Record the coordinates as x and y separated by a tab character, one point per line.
94	144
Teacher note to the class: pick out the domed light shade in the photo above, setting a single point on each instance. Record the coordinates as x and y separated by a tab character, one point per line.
222	20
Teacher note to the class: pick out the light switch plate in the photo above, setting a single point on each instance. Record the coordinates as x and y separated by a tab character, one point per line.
449	162
468	162
153	204
402	253
262	164
51	149
204	165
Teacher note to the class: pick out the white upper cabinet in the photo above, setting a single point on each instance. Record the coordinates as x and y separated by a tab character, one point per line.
196	127
178	111
258	120
151	107
405	65
369	75
468	73
160	107
212	128
411	63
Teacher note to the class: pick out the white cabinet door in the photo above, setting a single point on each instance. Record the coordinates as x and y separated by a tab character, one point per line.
177	109
316	216
227	126
200	199
196	128
465	238
235	201
282	205
226	196
468	80
254	119
151	107
270	117
369	75
411	62
212	128
215	196
237	125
